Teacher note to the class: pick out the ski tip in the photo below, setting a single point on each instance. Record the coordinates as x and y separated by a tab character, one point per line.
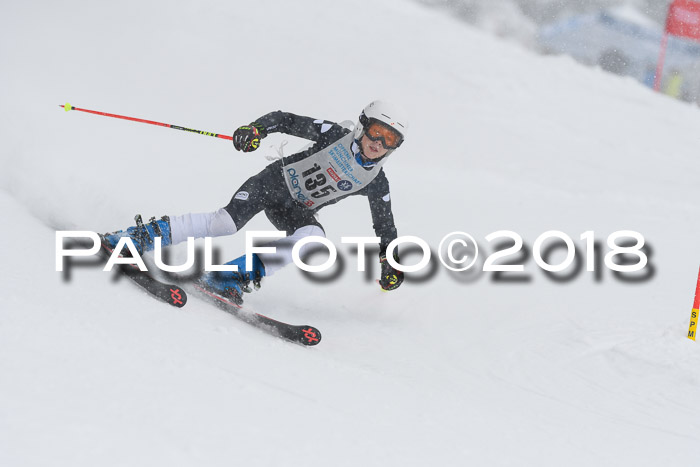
310	335
178	297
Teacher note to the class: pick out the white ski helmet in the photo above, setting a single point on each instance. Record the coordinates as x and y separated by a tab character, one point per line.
383	112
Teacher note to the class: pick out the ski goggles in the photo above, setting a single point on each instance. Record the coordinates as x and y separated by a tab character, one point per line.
379	131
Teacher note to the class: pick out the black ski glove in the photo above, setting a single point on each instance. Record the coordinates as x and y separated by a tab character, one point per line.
391	278
247	138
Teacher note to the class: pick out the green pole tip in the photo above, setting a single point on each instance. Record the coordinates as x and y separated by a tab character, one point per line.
68	107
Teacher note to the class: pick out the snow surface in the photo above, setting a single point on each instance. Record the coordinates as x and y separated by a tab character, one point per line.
451	369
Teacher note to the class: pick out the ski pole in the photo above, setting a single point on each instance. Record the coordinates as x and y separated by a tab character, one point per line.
68	107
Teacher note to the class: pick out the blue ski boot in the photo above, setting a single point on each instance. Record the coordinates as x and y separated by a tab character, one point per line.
141	234
230	286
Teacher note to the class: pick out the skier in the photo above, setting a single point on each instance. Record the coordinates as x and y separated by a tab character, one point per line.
340	163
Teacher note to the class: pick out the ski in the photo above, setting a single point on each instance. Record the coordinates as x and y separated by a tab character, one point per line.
299	334
176	296
169	293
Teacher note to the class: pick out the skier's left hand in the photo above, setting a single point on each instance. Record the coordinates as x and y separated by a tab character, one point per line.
247	138
391	278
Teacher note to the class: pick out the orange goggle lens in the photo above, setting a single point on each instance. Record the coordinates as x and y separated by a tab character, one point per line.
390	138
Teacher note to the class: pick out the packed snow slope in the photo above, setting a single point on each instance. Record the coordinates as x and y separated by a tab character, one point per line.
450	369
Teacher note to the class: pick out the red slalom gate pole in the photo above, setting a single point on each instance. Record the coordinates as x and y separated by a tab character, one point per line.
68	107
660	63
692	330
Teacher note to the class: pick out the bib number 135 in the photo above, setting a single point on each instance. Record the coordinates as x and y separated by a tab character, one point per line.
317	181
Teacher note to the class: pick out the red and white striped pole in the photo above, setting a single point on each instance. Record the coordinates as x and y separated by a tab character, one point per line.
692	330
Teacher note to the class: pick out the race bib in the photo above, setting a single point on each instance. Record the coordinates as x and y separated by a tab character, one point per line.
328	174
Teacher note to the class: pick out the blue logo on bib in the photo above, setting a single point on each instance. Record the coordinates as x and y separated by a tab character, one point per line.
345	185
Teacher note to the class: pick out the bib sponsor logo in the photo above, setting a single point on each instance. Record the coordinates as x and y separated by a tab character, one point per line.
294	178
345	185
242	195
333	175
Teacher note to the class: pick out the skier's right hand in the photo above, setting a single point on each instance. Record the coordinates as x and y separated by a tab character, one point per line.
247	138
